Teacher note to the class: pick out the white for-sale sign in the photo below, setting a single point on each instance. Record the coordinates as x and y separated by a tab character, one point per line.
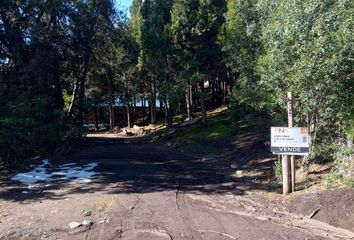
290	141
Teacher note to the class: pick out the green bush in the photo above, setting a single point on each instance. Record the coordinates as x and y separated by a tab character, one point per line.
343	169
325	149
277	168
32	128
237	110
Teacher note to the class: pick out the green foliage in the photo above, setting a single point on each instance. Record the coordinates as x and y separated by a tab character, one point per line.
325	148
344	163
217	130
240	42
237	110
32	129
343	170
45	50
64	56
155	15
135	21
309	52
67	100
278	171
221	127
305	47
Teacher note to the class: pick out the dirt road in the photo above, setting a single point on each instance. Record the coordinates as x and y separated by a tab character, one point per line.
145	191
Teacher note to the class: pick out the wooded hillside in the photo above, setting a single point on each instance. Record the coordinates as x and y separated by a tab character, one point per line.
62	59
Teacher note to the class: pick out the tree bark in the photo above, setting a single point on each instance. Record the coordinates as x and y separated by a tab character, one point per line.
169	114
161	108
82	84
144	107
188	104
75	93
111	105
213	92
203	105
192	104
134	107
87	57
96	118
153	102
128	116
223	84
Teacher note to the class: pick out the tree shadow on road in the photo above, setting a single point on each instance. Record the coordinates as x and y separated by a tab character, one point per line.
137	166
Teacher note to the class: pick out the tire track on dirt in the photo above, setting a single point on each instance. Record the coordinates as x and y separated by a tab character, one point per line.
182	206
184	213
128	229
221	232
189	224
144	225
309	226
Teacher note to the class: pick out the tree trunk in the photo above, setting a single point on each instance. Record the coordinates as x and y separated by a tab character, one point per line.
203	105
192	105
169	114
189	102
128	116
96	118
58	94
229	86
223	84
134	106
111	116
213	92
188	105
75	93
82	84
161	108
111	105
144	107
153	102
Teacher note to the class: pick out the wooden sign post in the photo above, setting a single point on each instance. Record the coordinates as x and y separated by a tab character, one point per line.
285	169
289	142
291	124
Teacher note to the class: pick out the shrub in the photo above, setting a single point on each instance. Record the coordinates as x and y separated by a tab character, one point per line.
31	128
278	170
343	170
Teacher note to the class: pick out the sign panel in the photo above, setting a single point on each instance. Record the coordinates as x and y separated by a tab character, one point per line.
290	141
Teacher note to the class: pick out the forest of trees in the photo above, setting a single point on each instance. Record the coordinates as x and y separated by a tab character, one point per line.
60	59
